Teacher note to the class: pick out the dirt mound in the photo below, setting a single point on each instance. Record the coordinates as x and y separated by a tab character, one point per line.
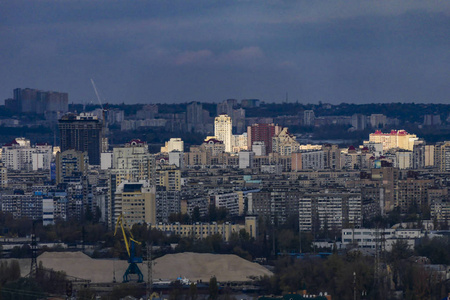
194	266
202	266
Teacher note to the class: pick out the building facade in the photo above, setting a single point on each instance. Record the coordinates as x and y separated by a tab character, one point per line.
82	132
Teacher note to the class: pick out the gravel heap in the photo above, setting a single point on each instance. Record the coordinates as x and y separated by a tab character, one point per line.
194	266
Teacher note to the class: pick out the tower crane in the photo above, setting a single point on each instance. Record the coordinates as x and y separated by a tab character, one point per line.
130	243
105	126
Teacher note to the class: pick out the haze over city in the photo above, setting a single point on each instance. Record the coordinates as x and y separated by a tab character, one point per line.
179	51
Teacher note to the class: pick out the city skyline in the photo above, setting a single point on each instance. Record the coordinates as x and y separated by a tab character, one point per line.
160	52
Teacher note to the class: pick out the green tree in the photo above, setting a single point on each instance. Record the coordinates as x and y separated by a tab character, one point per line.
193	293
22	289
213	288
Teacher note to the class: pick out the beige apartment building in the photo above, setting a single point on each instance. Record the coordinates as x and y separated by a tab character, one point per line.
203	230
395	139
136	201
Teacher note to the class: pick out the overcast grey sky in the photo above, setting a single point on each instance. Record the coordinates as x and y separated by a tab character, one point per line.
178	51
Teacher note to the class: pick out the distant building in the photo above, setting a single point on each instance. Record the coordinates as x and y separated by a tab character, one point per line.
3	176
203	230
432	120
71	165
169	177
226	107
174	144
423	156
308	118
246	159
285	143
371	238
259	148
329	210
442	156
167	203
395	139
136	201
37	101
308	160
147	112
378	120
19	155
231	201
250	103
82	133
262	133
194	115
133	162
359	121
223	131
239	142
176	158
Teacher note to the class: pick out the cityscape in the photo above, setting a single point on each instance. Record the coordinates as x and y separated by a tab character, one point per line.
258	183
233	150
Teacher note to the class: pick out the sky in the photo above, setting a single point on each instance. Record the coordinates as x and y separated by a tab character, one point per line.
137	51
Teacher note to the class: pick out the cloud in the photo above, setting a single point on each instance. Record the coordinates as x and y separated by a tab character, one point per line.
193	57
319	50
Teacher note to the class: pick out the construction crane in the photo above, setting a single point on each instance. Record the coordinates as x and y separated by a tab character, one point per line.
104	110
130	243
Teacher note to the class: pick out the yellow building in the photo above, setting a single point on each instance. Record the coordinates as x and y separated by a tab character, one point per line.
136	201
395	139
285	143
203	230
174	144
169	176
442	156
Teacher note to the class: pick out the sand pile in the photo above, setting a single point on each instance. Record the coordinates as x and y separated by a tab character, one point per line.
202	266
194	266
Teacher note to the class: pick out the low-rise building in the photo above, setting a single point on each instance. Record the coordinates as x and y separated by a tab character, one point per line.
203	230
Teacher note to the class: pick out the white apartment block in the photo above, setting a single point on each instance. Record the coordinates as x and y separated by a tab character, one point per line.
230	201
133	162
384	238
246	159
19	155
223	131
334	209
313	160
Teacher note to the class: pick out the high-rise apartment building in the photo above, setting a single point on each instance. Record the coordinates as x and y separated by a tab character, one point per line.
308	118
194	116
133	162
223	131
83	133
169	176
36	101
442	156
136	201
262	133
71	165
